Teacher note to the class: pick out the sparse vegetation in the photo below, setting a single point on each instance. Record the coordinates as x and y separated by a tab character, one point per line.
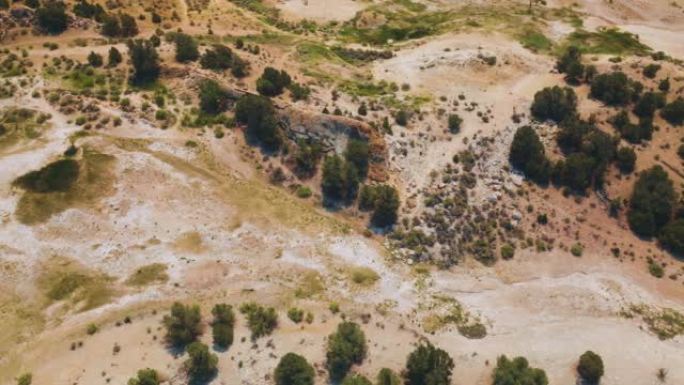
261	321
222	325
183	324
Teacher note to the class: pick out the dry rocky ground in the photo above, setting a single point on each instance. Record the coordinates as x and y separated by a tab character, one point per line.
197	211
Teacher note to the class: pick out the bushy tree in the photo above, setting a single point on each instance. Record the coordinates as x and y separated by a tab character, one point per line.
356	379
145	377
272	82
428	365
183	324
671	236
527	154
674	112
84	9
455	122
570	63
590	367
385	206
651	70
517	372
95	59
213	98
358	153
577	172
222	325
648	103
145	61
201	364
258	114
572	132
307	156
346	347
652	202
613	88
554	103
129	27
626	159
52	18
186	48
387	377
293	369
114	58
340	180
110	26
217	58
260	320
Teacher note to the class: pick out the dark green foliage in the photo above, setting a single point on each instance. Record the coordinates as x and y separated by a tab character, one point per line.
121	25
590	367
428	365
95	60
58	176
652	202
258	114
346	347
651	70
356	379
182	324
664	85
633	133
293	369
577	172
648	103
554	103
358	153
145	377
671	236
114	58
222	325
129	27
306	157
517	372
384	201
89	11
213	98
626	158
455	122
299	91
387	377
52	18
201	364
614	88
272	82
401	118
261	321
186	48
572	133
156	18
340	180
570	63
220	58
145	61
674	112
527	154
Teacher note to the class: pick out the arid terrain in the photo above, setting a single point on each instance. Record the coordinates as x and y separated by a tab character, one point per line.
166	197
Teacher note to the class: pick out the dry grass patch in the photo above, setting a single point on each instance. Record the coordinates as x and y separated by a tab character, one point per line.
310	285
148	275
363	276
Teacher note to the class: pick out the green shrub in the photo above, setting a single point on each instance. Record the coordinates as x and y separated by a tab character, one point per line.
356	379
145	61
671	236
258	113
91	329
387	377
213	98
293	369
517	372
272	82
295	314
651	70
346	347
340	180
527	154
674	112
614	88
507	251
182	324
358	153
648	103
428	365
303	192
201	364
590	367
222	325
95	60
626	159
145	377
261	321
454	122
655	269
186	48
52	18
570	63
577	250
25	379
652	202
554	103
114	58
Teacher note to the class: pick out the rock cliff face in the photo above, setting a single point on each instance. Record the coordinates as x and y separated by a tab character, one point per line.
333	132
